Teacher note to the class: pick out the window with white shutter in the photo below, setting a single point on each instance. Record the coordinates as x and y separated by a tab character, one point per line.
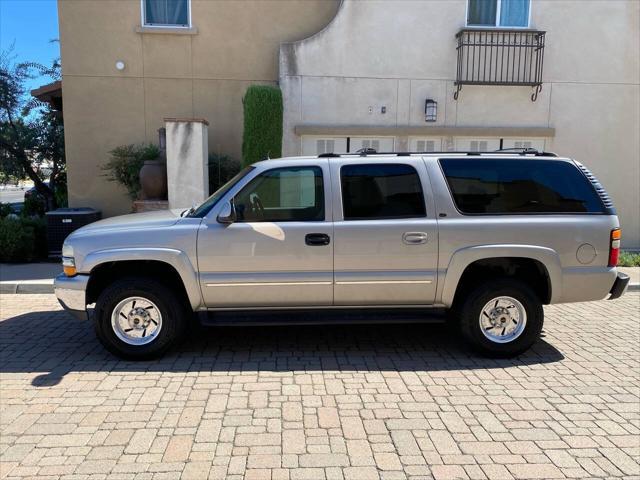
422	144
477	144
316	145
380	144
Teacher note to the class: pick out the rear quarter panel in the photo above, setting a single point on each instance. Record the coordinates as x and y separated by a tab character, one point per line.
562	234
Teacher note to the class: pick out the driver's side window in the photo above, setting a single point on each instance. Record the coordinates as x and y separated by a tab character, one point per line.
290	194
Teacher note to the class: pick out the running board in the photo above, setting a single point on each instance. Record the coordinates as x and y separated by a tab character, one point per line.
330	316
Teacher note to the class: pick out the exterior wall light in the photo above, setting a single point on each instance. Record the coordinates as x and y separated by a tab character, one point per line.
430	110
120	65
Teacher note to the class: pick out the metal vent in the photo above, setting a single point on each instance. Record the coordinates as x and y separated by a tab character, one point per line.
602	193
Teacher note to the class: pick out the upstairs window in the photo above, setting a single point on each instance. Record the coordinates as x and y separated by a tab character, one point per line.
166	13
498	13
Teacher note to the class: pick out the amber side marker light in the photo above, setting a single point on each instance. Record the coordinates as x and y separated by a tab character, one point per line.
69	266
614	249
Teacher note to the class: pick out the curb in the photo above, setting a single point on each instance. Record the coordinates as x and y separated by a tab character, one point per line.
33	288
13	288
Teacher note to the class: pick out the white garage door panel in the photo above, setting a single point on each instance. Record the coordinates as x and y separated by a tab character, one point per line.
425	144
312	145
537	143
379	144
466	144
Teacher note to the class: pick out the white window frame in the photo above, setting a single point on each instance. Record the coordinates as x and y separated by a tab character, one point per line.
497	21
143	18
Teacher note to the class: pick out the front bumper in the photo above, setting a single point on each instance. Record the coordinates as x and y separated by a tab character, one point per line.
71	293
619	286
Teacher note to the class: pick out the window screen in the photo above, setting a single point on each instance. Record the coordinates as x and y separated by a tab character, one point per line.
381	191
173	13
494	186
283	195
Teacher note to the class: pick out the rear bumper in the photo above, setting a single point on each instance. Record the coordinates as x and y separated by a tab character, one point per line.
71	293
619	286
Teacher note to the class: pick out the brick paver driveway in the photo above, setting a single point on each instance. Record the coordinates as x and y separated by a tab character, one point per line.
352	402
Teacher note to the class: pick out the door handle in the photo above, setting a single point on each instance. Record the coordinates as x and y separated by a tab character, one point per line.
414	238
317	239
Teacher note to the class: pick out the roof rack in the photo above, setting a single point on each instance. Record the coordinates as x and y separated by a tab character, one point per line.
364	152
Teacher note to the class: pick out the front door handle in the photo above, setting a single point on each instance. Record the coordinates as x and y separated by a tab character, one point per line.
414	238
317	239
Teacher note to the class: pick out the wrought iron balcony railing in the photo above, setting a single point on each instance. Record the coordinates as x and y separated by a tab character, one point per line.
500	57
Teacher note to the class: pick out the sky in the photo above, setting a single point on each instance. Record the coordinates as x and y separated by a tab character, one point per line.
30	25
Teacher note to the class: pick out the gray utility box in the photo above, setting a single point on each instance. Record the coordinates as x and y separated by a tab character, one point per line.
63	221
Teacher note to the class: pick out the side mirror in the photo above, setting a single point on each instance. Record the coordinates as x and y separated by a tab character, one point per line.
227	214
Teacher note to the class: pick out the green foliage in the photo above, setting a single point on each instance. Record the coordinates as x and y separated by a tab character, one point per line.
125	164
60	191
221	169
31	133
5	209
22	239
262	136
629	259
34	205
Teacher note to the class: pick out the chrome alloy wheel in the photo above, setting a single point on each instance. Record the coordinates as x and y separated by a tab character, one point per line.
503	319
136	321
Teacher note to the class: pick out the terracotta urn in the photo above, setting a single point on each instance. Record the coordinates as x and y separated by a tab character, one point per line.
153	180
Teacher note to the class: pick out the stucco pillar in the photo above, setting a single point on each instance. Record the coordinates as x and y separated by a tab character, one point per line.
187	161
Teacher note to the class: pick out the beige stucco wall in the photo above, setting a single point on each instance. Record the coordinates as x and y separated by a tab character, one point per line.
397	53
204	74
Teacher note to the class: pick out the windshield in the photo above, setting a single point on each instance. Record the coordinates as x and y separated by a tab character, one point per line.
205	206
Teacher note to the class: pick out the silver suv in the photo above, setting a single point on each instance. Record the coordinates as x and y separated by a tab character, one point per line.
490	237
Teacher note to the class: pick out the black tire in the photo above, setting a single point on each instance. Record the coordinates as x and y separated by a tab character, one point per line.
469	310
172	307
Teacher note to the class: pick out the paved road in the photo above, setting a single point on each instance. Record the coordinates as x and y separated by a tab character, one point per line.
11	195
352	402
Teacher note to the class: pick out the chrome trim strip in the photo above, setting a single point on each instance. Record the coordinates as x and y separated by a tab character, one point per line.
380	282
286	284
269	284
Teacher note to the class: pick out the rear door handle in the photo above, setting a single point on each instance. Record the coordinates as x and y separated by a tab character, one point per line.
317	239
414	238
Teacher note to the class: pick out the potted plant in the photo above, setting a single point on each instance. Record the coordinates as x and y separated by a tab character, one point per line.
126	168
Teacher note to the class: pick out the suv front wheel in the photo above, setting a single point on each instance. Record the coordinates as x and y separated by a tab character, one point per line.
501	318
139	318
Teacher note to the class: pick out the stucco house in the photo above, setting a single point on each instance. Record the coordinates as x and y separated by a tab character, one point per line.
556	75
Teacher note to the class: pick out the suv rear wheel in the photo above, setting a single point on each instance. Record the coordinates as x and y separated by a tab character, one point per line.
501	318
139	318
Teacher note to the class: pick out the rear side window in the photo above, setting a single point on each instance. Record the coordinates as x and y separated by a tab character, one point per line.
495	186
381	191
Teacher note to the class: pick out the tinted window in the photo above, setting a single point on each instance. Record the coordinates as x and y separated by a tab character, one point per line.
166	12
494	186
381	191
282	195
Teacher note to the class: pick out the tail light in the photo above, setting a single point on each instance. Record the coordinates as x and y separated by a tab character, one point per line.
614	249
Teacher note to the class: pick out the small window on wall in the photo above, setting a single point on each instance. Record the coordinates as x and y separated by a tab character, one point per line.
166	13
381	191
498	13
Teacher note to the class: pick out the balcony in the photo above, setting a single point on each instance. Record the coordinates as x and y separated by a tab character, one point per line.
493	56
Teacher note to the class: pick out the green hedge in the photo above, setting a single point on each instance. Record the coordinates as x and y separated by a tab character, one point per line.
22	239
262	136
